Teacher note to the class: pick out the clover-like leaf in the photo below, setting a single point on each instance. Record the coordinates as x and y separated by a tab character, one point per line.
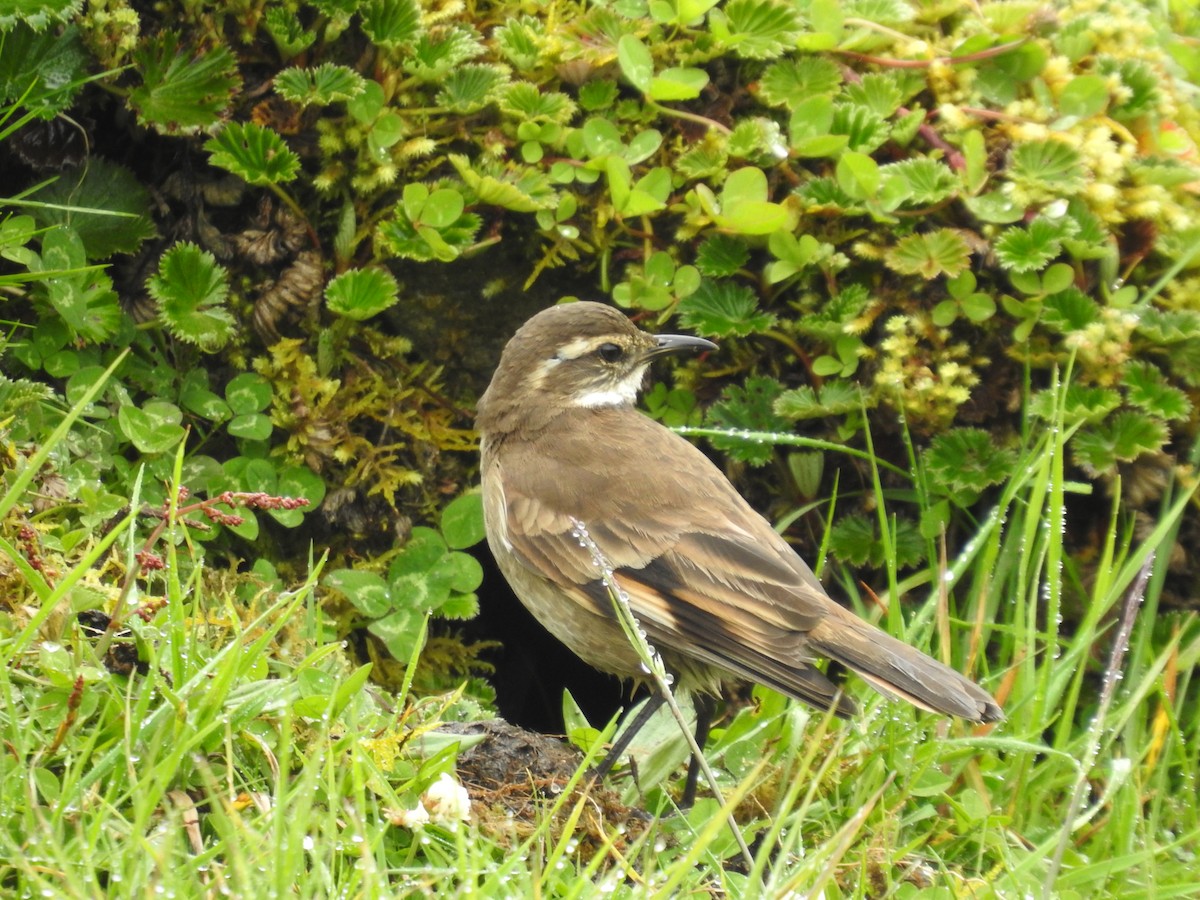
190	287
254	153
678	83
154	428
929	254
83	296
359	294
368	592
462	523
637	65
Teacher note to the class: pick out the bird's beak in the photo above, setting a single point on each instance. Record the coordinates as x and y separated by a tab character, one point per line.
677	343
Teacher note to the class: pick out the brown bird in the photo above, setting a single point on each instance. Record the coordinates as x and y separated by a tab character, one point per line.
717	591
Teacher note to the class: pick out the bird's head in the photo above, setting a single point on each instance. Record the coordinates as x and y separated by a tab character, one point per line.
578	355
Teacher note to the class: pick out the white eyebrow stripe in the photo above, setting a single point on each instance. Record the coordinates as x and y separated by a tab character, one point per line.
578	347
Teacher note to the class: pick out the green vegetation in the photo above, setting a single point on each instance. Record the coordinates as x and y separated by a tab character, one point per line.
950	253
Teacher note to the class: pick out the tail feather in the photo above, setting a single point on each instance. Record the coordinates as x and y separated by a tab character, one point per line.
895	668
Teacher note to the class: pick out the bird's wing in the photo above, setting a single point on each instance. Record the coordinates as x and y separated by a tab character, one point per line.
707	577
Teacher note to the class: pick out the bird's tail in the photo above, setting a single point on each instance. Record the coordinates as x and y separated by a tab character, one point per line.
892	667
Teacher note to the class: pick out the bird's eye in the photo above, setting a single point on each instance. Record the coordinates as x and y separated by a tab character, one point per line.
610	353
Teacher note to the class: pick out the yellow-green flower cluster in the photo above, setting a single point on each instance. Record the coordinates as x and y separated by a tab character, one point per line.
923	372
1103	347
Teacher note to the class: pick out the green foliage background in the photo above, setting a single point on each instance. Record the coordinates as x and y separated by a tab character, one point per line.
926	235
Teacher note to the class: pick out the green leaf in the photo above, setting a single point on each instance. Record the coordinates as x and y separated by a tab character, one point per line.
462	523
190	287
855	540
400	632
963	462
835	398
1049	165
598	94
524	101
678	84
521	39
82	296
1084	96
723	309
941	252
248	393
1147	387
877	92
182	91
469	88
858	175
154	428
744	207
722	255
1079	403
319	86
864	130
436	56
795	254
288	31
44	70
1030	249
359	294
1121	438
636	63
391	24
299	482
250	427
254	153
103	203
1139	86
928	180
755	29
368	593
420	554
996	208
748	408
793	82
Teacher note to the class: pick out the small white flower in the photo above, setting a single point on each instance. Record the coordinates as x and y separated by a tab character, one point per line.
410	818
447	801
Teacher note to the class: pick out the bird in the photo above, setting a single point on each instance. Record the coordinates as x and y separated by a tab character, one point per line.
719	594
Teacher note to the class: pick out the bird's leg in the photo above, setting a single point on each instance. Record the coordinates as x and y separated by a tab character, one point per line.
653	702
705	705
